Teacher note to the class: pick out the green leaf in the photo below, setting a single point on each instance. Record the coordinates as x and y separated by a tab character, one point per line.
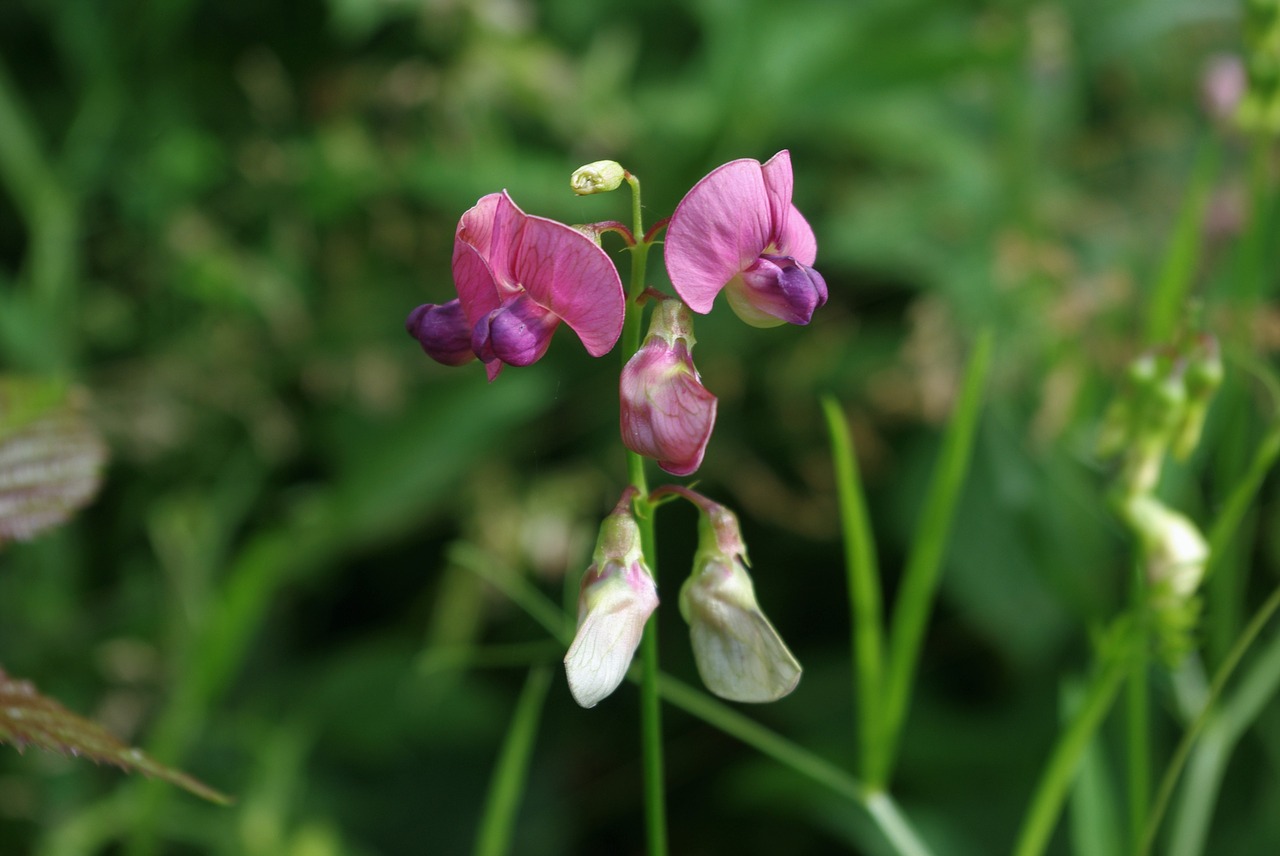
50	457
30	719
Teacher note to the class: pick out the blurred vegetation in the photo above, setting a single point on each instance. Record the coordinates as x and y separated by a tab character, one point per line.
214	218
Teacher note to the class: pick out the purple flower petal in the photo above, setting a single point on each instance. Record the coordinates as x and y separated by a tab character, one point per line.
718	229
443	332
776	289
518	333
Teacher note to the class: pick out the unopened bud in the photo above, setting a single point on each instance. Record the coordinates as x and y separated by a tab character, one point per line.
599	177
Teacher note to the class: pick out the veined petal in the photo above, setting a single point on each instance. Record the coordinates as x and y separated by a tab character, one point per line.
477	288
666	414
481	250
791	234
739	654
721	226
567	273
616	602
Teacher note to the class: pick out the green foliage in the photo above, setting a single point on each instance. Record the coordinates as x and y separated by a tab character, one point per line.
214	218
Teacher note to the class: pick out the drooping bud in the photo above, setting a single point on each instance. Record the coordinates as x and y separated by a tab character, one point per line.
443	332
666	412
776	289
598	177
739	654
617	597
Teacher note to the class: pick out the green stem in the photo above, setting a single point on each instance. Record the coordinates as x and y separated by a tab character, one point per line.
1138	718
1202	720
512	771
655	811
1046	805
924	564
864	591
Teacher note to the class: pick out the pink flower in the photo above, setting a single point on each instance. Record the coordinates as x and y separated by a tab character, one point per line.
518	277
736	229
667	414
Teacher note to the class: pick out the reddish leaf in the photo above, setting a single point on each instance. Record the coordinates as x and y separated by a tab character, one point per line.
30	719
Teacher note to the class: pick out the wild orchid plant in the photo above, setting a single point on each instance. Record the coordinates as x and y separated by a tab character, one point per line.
518	276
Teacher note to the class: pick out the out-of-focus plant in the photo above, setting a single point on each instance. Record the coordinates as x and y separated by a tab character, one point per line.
51	459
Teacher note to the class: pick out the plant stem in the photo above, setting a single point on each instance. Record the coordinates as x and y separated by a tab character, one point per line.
1203	720
1046	805
864	592
655	810
512	771
1138	718
924	564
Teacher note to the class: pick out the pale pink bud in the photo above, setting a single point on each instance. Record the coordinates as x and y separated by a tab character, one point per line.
739	654
666	412
618	595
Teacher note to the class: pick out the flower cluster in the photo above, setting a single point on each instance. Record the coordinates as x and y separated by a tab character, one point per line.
1162	411
519	276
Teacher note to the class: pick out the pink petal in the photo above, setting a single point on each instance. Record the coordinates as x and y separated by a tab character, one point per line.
481	252
477	288
567	273
721	226
666	413
791	234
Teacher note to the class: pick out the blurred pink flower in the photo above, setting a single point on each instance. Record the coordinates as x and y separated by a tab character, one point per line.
737	230
518	277
667	414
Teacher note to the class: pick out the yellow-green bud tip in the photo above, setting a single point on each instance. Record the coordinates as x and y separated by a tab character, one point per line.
599	177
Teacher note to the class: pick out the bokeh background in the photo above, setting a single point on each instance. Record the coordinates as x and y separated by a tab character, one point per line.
214	218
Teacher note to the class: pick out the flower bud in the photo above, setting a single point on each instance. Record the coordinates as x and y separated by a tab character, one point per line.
1175	556
666	412
598	177
739	654
617	597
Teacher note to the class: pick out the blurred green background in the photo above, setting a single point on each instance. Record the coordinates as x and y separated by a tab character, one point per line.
214	218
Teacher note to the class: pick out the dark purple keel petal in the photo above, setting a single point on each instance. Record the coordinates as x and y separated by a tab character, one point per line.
776	289
518	333
443	332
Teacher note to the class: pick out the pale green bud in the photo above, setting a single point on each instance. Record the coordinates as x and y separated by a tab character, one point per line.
739	654
599	177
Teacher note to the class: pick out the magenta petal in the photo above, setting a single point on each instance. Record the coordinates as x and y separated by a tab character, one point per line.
472	277
667	414
791	235
568	274
720	227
